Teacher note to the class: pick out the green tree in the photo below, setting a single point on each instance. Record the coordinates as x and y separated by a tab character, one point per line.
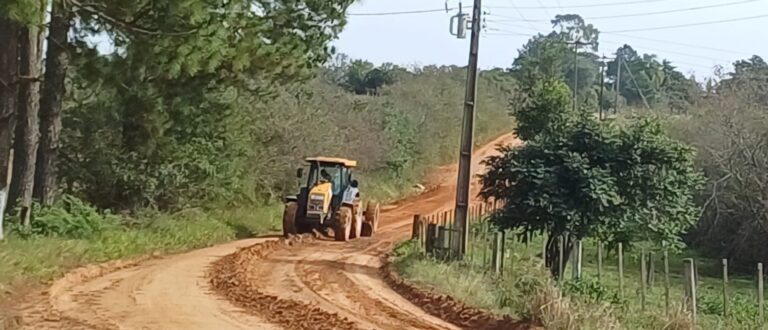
542	108
596	180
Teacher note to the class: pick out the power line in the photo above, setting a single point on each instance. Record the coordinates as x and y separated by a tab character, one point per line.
410	12
661	12
689	24
612	4
678	43
652	13
504	33
666	42
669	51
520	13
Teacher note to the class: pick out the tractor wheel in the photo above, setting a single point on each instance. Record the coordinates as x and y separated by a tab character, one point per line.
289	219
371	223
343	224
357	226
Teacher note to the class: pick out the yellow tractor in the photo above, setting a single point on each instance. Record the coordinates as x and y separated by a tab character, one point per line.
329	199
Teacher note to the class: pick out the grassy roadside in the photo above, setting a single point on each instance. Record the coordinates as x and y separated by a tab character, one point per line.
39	259
525	291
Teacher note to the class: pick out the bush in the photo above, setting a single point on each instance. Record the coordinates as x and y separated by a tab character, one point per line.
589	289
70	217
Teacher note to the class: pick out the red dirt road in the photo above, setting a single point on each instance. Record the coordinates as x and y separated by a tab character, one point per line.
318	279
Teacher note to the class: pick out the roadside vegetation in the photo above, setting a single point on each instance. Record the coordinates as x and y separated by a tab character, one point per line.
680	168
178	136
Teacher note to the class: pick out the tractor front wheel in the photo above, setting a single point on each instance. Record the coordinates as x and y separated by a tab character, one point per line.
342	229
289	219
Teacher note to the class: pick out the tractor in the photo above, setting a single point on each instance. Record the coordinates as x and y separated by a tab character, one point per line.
329	199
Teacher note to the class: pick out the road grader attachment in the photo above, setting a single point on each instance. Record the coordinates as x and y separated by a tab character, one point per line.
330	198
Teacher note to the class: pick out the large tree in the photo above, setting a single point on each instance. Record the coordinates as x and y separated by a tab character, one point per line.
589	179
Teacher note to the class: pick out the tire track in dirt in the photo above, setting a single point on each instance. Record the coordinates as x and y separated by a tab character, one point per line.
266	285
345	279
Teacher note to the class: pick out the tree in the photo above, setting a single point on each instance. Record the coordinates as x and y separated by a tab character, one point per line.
51	99
8	98
543	107
198	44
574	28
27	126
595	180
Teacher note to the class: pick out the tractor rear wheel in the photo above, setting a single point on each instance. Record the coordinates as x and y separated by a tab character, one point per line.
342	229
289	219
357	225
371	223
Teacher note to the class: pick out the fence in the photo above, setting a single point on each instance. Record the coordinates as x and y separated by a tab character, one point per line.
490	250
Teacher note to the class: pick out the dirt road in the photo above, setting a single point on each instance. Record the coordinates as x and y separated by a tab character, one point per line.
341	280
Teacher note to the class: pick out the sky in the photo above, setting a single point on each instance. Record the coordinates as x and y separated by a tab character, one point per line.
424	38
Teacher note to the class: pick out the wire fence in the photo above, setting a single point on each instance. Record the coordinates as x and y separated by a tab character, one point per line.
645	278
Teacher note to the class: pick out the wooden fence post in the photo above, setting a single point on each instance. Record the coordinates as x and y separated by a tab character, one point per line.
544	248
560	268
651	270
725	288
503	250
690	287
577	257
599	261
496	255
416	233
621	270
666	281
760	276
431	237
643	279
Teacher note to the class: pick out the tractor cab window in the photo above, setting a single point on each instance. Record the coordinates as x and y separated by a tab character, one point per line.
330	173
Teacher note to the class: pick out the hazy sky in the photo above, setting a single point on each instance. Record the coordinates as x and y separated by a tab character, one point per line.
424	39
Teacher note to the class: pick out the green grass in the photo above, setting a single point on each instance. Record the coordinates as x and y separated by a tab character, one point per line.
742	297
523	291
46	258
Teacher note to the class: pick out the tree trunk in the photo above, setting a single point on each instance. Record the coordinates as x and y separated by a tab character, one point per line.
27	126
9	69
553	253
56	65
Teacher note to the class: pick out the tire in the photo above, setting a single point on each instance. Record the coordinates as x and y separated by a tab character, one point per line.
357	226
342	229
371	223
289	219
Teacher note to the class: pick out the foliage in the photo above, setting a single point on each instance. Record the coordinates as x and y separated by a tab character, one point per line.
590	289
69	218
544	108
47	257
646	79
623	184
729	130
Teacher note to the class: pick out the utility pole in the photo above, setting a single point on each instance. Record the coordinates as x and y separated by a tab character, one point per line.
467	132
618	83
603	68
575	74
602	87
576	44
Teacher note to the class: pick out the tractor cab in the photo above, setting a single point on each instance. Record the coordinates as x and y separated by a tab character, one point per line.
329	198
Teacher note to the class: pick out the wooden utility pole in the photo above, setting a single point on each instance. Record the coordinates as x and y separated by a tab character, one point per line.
467	132
576	44
618	83
575	74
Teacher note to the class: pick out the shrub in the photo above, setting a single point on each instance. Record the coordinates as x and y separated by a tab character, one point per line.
70	217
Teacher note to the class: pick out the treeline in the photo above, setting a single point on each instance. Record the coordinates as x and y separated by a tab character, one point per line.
173	61
174	119
725	119
729	128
